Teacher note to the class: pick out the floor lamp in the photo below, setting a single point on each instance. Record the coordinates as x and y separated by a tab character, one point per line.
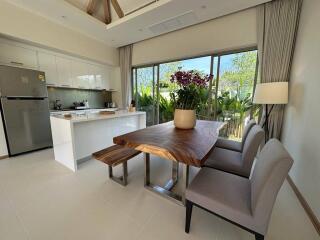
272	93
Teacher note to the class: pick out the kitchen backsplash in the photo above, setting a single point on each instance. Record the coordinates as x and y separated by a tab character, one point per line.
67	97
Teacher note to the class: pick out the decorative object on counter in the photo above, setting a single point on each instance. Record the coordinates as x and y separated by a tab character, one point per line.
187	98
67	116
110	105
107	112
132	107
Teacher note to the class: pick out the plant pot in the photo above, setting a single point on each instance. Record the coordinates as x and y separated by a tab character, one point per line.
184	119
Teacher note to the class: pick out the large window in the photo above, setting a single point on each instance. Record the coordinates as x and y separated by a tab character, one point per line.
228	98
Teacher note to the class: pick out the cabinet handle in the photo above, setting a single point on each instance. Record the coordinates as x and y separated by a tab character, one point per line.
17	63
65	85
50	84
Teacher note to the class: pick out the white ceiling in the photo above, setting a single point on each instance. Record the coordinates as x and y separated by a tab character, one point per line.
156	19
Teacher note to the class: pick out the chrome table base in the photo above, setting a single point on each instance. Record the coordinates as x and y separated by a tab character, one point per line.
166	191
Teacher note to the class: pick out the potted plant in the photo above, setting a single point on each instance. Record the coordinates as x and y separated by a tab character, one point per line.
187	97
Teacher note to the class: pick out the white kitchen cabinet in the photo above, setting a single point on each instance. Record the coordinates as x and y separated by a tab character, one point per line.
92	76
47	64
80	74
105	73
64	72
95	72
18	56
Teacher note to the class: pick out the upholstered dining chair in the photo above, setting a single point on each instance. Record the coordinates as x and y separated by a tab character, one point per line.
247	203
239	163
235	145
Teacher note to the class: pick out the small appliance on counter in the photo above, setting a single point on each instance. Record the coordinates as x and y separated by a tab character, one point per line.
25	109
110	105
81	105
57	105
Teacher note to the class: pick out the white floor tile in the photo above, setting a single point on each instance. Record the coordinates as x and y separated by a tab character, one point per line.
40	199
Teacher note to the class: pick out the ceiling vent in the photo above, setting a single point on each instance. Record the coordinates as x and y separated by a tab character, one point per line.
174	23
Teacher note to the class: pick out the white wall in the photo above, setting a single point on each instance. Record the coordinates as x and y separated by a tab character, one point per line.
301	134
22	24
234	31
3	145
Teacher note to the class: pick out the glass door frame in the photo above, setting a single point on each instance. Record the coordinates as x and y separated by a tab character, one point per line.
214	82
155	83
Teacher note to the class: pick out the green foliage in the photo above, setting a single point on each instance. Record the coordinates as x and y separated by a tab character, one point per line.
233	100
166	109
238	79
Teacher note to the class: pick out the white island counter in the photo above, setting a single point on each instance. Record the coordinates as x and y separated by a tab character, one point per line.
75	139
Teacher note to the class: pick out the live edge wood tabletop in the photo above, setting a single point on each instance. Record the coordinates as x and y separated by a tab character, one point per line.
190	147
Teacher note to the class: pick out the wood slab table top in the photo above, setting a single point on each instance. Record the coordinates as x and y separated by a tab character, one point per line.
191	147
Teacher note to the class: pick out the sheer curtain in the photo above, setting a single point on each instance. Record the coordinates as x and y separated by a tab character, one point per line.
277	28
125	58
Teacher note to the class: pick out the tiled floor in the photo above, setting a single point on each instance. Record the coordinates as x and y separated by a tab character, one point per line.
42	200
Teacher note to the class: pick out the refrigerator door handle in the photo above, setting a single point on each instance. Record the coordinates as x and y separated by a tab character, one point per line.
25	98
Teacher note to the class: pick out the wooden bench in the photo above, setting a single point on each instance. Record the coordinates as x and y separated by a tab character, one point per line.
115	155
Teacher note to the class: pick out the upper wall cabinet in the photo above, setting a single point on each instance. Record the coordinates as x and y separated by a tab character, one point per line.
47	64
80	75
18	56
99	76
60	70
64	69
105	72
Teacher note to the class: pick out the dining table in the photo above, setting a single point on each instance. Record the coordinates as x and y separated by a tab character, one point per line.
189	147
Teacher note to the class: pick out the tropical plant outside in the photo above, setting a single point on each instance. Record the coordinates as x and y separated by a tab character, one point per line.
230	102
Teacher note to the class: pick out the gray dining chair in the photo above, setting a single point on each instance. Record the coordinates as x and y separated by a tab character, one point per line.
239	163
247	203
235	145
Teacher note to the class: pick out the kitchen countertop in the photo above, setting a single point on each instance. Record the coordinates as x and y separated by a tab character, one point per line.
94	116
65	111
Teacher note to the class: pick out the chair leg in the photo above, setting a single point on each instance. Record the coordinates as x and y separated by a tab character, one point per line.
189	206
259	236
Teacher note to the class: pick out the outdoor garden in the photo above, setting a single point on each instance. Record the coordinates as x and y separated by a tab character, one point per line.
226	95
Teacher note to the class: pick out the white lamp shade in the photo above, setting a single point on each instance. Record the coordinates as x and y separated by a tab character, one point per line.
271	93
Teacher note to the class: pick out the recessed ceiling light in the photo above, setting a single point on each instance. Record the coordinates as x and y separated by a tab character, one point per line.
203	6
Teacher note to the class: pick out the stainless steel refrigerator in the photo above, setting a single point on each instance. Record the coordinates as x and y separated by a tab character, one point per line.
25	109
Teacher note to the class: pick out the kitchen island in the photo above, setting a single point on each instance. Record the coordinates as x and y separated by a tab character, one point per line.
76	138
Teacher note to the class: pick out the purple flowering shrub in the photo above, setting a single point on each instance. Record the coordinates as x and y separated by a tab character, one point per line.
191	87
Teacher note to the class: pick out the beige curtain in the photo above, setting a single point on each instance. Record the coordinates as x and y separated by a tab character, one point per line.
125	58
277	28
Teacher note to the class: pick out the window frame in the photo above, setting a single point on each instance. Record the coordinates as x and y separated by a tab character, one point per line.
217	54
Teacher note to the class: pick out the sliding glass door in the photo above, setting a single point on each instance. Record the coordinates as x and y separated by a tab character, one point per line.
144	92
228	97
